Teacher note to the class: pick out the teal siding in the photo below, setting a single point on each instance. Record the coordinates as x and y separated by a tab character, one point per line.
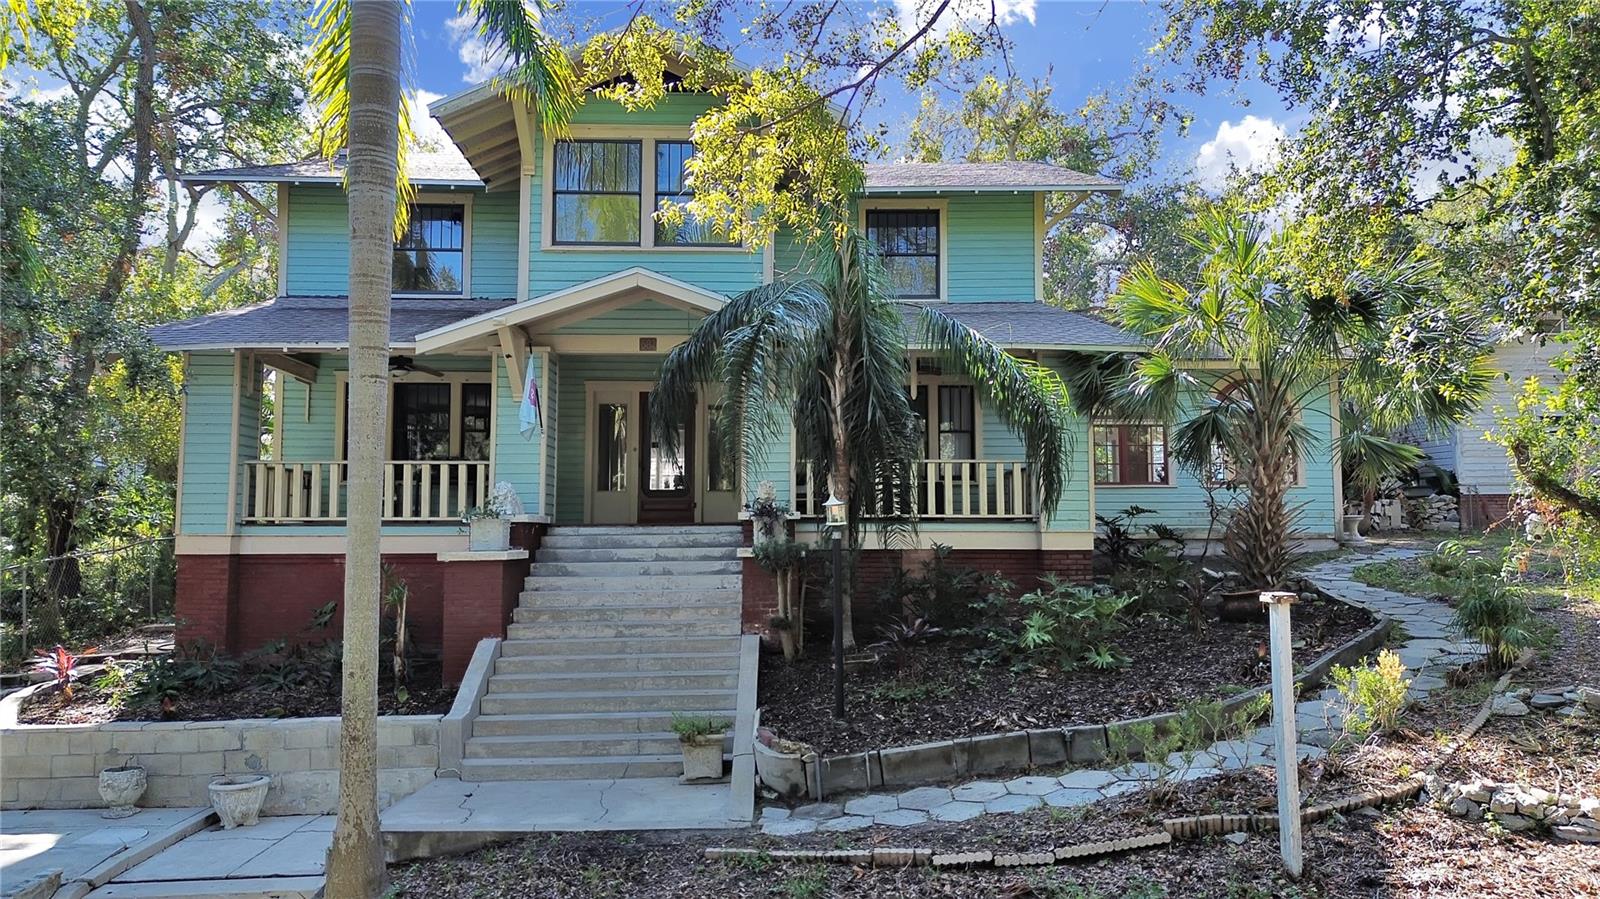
571	417
516	459
992	246
208	414
550	394
319	242
308	433
646	317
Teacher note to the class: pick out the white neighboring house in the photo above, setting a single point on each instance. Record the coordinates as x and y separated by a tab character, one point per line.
1481	465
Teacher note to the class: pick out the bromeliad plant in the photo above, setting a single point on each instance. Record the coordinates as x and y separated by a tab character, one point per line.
1253	353
835	349
61	664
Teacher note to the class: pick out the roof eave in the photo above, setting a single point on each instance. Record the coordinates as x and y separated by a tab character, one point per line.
994	188
204	178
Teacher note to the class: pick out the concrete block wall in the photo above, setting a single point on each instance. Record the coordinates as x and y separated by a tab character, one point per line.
58	766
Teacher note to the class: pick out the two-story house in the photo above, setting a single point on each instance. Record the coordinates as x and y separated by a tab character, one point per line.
531	254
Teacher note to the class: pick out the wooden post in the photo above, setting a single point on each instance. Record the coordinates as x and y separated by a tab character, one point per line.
1283	735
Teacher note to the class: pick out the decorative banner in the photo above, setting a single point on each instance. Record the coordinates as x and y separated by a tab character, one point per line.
530	415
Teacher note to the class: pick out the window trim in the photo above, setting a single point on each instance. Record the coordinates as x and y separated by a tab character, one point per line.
454	378
1166	429
937	205
638	194
931	383
464	200
646	136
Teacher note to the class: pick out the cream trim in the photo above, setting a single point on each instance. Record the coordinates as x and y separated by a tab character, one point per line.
282	224
1334	432
941	206
614	344
1039	232
1024	536
277	414
311	544
233	446
545	392
183	439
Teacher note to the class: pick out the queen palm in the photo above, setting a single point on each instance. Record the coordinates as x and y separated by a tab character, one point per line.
1274	349
828	357
357	71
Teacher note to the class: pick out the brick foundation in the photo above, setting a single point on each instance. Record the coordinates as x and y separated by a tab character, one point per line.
1480	510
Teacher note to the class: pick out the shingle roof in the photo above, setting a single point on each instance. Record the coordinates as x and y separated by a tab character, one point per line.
886	177
440	169
307	322
1030	325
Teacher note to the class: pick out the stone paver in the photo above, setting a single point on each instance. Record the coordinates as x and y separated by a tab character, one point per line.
1429	650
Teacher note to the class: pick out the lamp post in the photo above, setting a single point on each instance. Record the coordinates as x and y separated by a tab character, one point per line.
835	514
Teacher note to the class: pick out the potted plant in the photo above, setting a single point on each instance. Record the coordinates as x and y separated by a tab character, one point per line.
121	787
488	526
767	515
701	740
781	765
238	798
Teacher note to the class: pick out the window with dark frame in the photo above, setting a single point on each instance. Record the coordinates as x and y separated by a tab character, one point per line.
596	192
431	256
1130	454
719	468
421	422
958	436
908	242
672	157
474	416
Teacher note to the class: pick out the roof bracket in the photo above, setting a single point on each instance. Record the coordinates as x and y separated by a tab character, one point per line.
301	367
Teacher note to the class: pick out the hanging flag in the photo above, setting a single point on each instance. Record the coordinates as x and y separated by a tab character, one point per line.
530	415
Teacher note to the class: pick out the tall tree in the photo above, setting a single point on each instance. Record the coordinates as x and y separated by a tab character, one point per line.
834	351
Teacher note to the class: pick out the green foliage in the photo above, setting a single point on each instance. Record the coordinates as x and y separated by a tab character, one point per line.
1174	747
780	555
695	727
943	596
1374	694
810	883
1061	625
1495	615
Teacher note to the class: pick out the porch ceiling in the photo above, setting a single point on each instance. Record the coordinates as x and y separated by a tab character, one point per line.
571	304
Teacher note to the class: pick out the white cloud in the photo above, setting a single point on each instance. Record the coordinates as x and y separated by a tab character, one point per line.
430	135
1248	146
913	14
482	60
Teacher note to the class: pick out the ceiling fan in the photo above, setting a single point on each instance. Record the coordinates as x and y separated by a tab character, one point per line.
405	364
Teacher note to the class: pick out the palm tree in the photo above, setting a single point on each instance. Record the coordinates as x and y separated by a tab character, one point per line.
1370	456
1277	350
837	346
357	77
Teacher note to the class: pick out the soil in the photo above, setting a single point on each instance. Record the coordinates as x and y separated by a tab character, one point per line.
87	705
937	692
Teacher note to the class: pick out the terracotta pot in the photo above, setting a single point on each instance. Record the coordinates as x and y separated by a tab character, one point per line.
1240	606
121	787
238	799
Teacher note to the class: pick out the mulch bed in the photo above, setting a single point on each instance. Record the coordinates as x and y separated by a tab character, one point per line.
90	706
938	693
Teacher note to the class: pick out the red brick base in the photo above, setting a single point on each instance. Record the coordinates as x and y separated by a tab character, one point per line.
1480	510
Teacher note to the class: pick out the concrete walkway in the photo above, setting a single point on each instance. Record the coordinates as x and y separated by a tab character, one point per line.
280	856
85	847
1428	651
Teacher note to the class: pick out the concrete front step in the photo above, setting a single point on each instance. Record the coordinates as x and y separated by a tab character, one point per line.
626	628
555	614
636	681
646	644
619	568
637	554
563	599
621	724
613	530
573	767
533	703
547	745
642	582
616	662
631	539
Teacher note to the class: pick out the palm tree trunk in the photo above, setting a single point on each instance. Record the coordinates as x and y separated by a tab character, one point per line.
355	860
839	477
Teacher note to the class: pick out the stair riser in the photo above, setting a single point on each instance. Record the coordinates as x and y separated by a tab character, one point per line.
635	583
710	613
624	726
639	541
645	629
570	598
661	530
641	683
643	554
534	749
617	646
498	704
614	664
675	568
596	770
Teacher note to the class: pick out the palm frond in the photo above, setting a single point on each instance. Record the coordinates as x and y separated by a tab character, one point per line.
542	75
1369	456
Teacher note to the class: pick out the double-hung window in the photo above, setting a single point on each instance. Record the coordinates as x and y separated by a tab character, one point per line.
672	185
909	244
596	192
431	256
1130	454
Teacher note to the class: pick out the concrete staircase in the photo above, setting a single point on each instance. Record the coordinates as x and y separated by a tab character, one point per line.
618	628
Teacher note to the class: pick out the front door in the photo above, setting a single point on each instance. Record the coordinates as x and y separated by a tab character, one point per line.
666	478
613	488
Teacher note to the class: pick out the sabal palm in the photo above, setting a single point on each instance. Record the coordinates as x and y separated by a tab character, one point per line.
1276	350
357	69
828	357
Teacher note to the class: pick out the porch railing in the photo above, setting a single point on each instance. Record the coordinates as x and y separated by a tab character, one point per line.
943	488
413	491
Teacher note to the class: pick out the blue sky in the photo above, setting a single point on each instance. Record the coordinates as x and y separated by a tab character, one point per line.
1084	46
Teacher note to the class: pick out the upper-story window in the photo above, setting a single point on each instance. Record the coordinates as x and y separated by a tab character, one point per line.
431	256
908	242
596	189
672	185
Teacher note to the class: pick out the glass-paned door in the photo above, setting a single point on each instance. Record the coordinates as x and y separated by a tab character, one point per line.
613	491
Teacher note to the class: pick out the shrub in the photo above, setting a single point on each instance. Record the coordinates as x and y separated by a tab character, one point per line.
1496	616
691	727
1060	624
1374	694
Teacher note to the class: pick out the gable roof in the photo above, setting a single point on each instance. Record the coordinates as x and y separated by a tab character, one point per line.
446	169
892	177
320	322
1029	326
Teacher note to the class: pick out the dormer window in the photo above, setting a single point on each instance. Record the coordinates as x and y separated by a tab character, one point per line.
597	192
430	258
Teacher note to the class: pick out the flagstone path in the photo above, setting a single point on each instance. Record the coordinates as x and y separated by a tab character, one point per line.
1428	651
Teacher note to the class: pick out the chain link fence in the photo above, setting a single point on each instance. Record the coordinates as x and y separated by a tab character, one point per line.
85	596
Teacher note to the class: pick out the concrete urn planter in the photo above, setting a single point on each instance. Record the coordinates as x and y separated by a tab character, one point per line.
782	767
488	535
702	758
121	787
238	799
1352	529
